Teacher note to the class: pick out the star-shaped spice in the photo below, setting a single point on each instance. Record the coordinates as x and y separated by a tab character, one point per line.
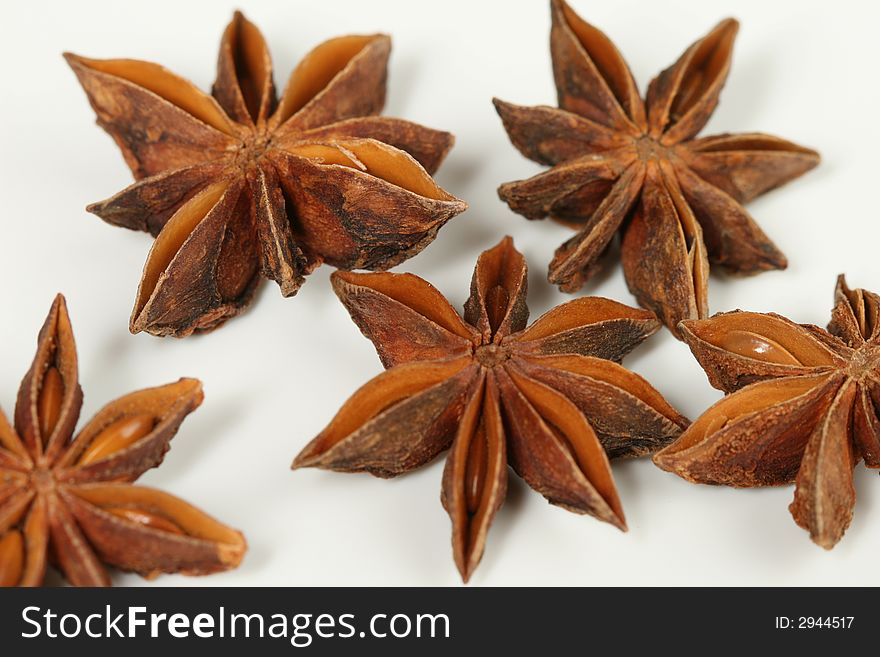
544	399
71	501
621	164
805	407
242	185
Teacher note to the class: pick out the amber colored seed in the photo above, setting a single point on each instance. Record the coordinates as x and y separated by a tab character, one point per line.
117	436
49	405
496	305
147	519
752	345
11	558
475	474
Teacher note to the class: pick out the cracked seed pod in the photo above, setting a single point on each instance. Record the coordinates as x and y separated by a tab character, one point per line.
544	398
243	185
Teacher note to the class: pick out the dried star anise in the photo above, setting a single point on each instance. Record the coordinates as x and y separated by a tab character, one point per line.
623	164
242	185
72	501
545	399
805	407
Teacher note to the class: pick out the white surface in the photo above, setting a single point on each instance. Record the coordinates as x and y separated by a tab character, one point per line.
276	375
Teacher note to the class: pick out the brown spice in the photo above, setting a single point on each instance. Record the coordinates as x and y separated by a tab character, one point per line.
72	499
243	185
621	164
544	399
804	408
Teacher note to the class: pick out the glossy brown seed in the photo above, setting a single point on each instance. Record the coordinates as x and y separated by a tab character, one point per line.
243	185
117	436
72	497
50	400
803	408
744	347
497	392
147	519
633	167
751	344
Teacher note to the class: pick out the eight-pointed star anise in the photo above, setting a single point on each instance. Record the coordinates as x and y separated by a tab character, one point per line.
544	399
72	501
806	407
241	185
623	164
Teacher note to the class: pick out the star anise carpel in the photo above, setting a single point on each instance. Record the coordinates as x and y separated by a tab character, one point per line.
623	165
804	407
547	399
243	185
70	500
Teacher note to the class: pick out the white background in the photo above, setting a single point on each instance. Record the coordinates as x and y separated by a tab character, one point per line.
276	375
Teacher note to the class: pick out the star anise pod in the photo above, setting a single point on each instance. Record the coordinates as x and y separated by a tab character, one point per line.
72	502
621	164
544	399
242	185
804	408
